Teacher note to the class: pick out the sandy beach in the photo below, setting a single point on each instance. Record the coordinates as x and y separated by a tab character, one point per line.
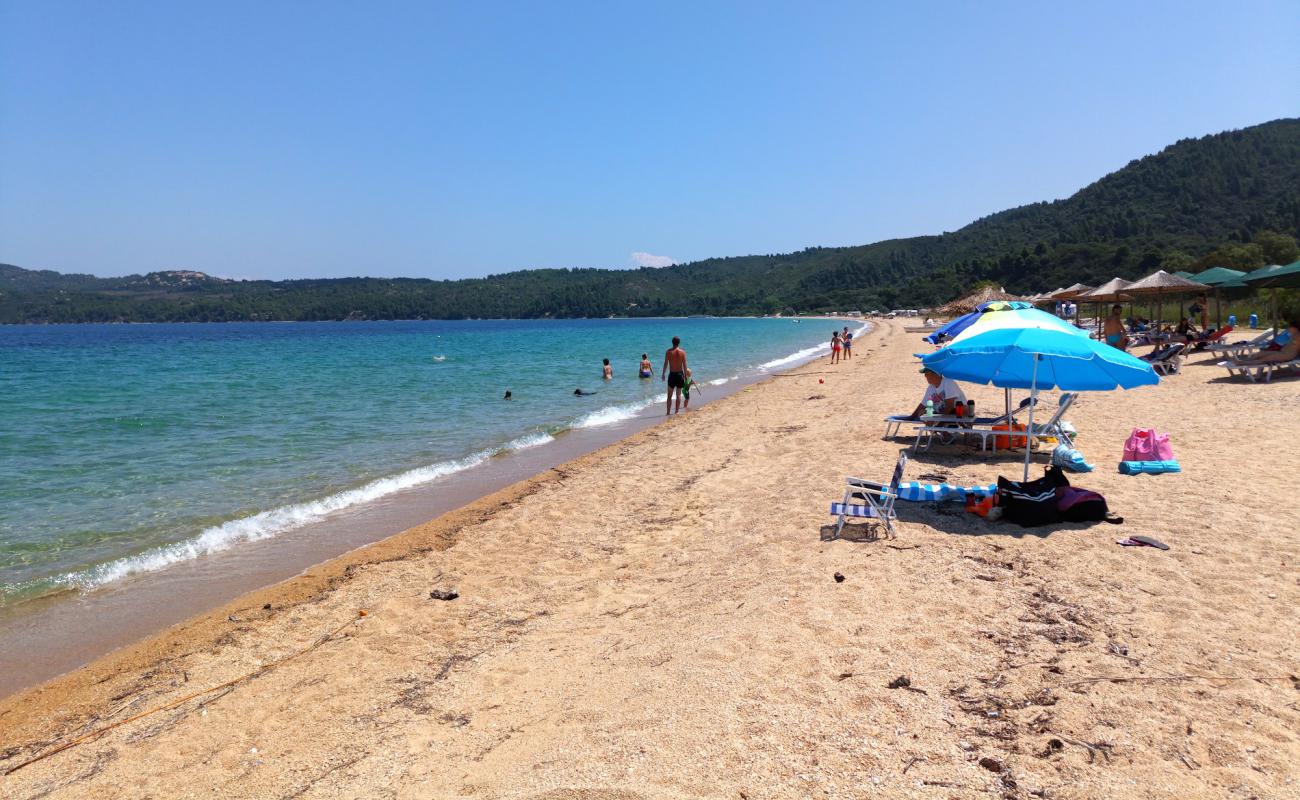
659	619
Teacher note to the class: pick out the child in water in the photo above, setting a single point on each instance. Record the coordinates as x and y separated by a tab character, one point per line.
687	385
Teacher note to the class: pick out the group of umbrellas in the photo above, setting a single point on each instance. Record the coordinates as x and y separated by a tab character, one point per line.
1161	284
1007	342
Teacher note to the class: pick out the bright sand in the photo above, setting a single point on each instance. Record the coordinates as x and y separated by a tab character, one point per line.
659	619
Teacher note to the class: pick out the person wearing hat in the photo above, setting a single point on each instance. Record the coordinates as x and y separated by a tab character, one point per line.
943	392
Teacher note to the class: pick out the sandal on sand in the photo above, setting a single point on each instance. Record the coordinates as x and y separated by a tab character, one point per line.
1142	541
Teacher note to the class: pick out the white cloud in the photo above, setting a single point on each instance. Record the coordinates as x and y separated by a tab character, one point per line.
651	260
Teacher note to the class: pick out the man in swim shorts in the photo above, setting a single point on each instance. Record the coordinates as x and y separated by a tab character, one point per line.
647	369
675	368
1113	328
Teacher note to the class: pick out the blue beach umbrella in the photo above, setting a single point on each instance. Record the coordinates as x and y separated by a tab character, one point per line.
956	326
1031	349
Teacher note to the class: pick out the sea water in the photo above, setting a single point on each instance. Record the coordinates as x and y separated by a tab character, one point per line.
125	449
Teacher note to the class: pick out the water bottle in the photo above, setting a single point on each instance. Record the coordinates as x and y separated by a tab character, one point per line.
929	408
970	409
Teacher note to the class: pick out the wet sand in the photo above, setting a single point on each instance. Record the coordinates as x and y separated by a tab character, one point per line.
659	619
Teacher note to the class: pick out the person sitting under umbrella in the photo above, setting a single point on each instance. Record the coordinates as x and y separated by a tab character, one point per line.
943	392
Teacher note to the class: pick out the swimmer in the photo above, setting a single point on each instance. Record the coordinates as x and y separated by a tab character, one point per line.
580	393
608	371
508	396
647	369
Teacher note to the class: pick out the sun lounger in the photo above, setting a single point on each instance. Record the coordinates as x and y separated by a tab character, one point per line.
1167	360
1256	371
1235	350
1212	339
878	499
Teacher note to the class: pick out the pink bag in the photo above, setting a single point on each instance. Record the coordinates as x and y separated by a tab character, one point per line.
1148	444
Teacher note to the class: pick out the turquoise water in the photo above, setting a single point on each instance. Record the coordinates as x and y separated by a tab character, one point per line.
127	448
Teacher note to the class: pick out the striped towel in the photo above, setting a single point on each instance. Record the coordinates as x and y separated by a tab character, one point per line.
915	492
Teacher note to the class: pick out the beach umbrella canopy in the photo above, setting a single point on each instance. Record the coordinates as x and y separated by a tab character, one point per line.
1220	278
1071	292
1161	283
960	324
1031	349
972	301
1216	276
1275	277
1110	291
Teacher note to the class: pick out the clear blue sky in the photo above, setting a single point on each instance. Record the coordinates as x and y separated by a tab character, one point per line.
291	139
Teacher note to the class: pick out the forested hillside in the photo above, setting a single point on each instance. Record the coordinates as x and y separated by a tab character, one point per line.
1230	199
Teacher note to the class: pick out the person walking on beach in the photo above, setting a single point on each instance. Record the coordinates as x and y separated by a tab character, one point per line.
835	347
647	370
847	338
608	371
1113	328
687	385
675	368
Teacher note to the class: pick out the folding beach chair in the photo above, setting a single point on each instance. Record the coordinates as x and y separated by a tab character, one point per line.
1055	426
878	499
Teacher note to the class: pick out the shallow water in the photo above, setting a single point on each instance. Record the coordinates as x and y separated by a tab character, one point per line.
126	449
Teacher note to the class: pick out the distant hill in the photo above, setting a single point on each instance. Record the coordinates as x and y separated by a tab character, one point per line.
1232	197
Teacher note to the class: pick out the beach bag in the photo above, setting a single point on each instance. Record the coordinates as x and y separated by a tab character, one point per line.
1080	505
1031	503
1148	444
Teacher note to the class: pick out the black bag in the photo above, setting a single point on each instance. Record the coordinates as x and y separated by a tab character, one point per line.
1031	503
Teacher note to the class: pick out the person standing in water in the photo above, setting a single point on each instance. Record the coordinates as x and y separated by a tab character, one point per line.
608	371
675	369
647	369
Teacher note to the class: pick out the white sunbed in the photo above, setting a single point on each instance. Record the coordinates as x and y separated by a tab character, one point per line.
1256	371
1235	350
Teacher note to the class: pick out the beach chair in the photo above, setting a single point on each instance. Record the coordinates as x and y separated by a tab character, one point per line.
1256	371
1235	350
1212	339
1167	360
1055	426
878	499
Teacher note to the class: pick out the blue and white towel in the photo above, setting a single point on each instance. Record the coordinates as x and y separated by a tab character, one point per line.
915	492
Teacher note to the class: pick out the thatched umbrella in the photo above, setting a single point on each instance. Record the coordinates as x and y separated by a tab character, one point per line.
1070	293
1109	292
1161	283
968	303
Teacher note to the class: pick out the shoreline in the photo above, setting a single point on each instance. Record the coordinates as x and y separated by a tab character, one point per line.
659	619
71	629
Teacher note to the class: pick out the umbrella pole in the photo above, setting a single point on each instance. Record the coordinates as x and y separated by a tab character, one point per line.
1033	401
1007	394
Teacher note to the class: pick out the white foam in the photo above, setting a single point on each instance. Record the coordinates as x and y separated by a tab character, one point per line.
808	352
439	358
611	414
263	525
720	381
795	357
529	440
